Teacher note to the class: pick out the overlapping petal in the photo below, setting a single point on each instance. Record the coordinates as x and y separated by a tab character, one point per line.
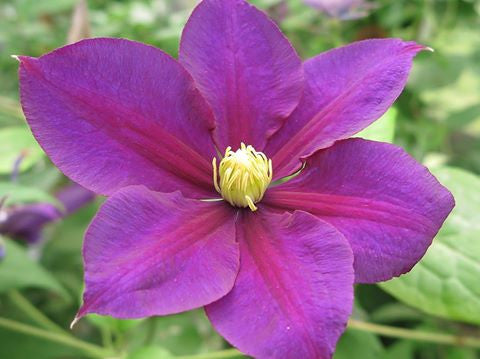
113	112
294	291
149	253
346	89
244	66
387	205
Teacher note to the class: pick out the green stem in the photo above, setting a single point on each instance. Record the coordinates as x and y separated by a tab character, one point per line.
37	316
228	353
417	335
151	330
10	107
381	330
92	350
106	334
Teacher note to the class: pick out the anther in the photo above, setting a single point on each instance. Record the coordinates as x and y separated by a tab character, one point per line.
242	176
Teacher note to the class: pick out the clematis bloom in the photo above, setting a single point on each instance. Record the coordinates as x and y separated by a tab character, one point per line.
26	222
274	262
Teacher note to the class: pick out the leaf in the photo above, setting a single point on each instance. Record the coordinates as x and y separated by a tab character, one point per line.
400	350
460	353
446	281
383	129
113	324
10	108
186	333
357	344
32	8
16	142
20	346
17	194
150	352
394	312
18	270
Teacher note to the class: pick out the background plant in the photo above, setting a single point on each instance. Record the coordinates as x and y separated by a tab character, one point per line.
433	312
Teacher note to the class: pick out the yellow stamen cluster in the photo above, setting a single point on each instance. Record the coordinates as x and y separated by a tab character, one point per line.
244	176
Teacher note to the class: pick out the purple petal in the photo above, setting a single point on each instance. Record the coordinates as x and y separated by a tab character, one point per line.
149	253
246	69
386	204
73	197
113	112
26	222
294	291
346	89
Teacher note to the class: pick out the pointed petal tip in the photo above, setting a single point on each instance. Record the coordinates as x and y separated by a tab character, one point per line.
420	47
74	321
197	277
80	314
27	62
22	58
415	47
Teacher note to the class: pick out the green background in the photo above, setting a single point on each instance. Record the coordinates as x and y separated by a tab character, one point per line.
436	119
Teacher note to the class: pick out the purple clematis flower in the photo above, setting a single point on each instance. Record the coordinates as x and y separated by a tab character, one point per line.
26	222
274	266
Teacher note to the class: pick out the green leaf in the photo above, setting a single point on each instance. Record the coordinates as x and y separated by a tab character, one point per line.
20	346
10	108
383	129
446	281
150	352
32	8
264	4
394	312
17	194
460	353
186	333
401	349
357	344
113	324
18	270
14	142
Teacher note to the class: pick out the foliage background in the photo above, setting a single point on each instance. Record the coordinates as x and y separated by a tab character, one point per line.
436	119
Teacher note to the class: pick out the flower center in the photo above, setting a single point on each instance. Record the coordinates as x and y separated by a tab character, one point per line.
244	176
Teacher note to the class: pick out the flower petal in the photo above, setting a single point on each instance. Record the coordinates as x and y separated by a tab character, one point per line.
113	112
26	222
74	197
386	204
294	291
149	253
246	69
346	89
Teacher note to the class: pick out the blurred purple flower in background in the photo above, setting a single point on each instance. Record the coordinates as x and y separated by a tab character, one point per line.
26	222
274	266
343	9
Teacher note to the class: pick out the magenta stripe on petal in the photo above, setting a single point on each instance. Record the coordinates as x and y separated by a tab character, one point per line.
113	112
149	253
346	89
388	206
246	69
294	291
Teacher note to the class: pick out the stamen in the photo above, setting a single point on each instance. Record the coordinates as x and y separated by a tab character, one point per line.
251	204
242	176
215	181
